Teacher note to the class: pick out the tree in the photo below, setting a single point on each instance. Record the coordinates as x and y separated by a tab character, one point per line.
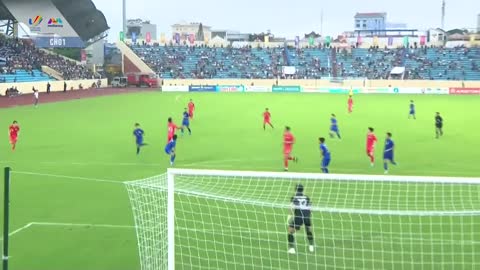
312	34
200	33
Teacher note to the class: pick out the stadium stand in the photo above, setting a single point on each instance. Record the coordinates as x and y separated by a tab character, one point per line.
20	61
201	62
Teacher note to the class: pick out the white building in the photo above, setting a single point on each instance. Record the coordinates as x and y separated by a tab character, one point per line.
140	30
230	36
185	30
370	21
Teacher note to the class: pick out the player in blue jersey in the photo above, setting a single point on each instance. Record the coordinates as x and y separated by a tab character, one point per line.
412	110
170	149
388	152
138	133
186	122
325	155
334	127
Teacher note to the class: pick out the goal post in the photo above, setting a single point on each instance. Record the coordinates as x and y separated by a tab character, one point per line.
212	219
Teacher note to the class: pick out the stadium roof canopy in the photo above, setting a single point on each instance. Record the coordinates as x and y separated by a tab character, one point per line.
83	16
4	13
370	15
87	21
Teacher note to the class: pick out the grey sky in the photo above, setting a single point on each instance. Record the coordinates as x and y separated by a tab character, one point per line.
288	18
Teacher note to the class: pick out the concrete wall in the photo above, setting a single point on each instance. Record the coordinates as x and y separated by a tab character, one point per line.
327	83
142	67
56	86
52	72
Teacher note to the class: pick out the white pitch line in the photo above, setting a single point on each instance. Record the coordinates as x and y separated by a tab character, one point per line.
18	230
214	163
239	232
113	164
82	225
68	177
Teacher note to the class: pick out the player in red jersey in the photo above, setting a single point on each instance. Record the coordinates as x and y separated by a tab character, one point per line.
350	104
191	108
266	118
171	129
288	141
14	130
371	141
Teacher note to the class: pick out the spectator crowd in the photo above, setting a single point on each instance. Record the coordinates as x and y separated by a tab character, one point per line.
16	54
203	62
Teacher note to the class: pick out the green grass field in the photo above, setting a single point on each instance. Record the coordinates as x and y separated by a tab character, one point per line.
70	145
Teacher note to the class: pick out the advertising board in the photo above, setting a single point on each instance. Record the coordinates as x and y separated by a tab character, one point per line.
464	91
316	90
289	70
58	42
258	89
202	88
175	88
378	90
286	88
435	91
230	88
418	90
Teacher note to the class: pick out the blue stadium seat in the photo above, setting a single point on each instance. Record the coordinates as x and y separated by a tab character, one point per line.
312	63
25	76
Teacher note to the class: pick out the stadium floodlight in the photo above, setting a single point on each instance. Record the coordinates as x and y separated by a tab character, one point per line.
208	219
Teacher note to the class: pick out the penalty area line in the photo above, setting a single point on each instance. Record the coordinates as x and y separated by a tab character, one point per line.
18	230
92	225
59	224
68	177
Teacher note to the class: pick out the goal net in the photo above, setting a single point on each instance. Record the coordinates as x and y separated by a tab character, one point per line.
202	219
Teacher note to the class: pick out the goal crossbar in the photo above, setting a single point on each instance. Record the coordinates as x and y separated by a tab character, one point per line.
336	177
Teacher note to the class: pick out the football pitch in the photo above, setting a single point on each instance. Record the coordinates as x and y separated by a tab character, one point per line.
70	209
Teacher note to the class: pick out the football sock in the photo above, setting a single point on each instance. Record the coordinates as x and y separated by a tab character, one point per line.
310	237
325	170
291	240
138	150
385	166
189	131
285	162
172	158
372	158
338	134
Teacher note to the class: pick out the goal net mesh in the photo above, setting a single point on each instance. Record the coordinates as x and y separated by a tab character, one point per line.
240	222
